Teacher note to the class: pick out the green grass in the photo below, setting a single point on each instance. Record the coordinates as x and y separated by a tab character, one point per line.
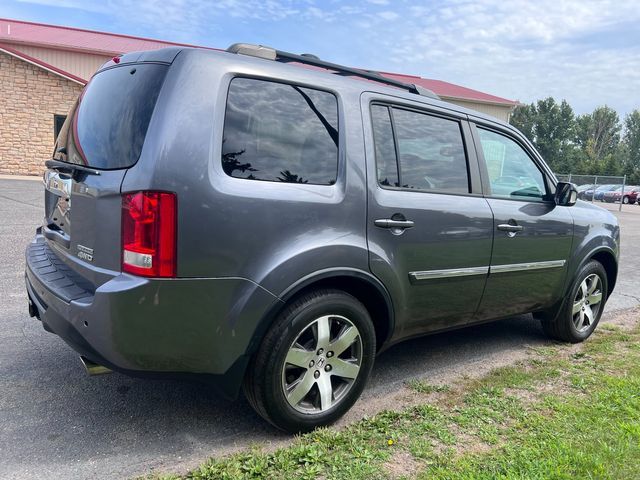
421	386
564	414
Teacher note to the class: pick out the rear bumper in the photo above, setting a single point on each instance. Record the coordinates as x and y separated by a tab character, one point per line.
150	327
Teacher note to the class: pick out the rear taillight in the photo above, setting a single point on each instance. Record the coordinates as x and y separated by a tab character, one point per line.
149	234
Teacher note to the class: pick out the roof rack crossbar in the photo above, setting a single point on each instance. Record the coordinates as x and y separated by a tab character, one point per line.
307	59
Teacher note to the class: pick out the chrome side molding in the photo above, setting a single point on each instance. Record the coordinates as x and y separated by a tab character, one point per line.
518	267
467	272
449	273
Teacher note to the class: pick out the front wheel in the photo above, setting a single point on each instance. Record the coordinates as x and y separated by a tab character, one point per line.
313	362
583	308
625	200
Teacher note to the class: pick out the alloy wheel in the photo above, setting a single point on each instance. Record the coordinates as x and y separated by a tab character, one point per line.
322	364
587	302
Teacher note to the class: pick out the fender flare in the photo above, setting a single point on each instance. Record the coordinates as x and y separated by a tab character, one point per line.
555	310
294	289
586	258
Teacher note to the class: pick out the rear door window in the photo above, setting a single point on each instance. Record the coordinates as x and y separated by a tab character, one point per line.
108	124
280	133
419	151
386	162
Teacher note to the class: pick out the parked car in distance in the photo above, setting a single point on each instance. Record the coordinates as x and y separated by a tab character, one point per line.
589	193
242	220
616	195
583	188
599	194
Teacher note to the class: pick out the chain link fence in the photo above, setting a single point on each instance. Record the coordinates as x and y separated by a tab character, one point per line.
603	188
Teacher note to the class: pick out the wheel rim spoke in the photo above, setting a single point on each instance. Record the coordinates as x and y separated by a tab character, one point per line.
323	332
326	392
579	320
299	357
577	306
301	389
595	282
595	298
344	369
583	289
345	340
588	316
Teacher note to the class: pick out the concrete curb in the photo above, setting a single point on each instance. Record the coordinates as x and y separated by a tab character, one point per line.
37	178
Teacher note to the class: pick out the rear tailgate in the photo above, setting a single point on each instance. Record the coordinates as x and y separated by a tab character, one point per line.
102	137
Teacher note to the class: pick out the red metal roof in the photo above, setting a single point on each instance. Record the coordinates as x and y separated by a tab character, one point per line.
18	32
76	39
450	90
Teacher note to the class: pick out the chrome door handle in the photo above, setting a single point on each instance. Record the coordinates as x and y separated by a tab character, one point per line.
389	223
507	227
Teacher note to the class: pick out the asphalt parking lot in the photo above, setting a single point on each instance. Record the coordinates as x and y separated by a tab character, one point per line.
56	422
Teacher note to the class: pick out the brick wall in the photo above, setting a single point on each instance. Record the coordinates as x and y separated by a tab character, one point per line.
29	98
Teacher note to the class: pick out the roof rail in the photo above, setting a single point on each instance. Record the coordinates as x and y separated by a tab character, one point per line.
269	53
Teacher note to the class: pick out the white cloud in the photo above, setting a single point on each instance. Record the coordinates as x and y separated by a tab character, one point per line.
522	50
388	15
587	51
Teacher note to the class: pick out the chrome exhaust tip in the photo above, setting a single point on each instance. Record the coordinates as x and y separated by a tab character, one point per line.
93	368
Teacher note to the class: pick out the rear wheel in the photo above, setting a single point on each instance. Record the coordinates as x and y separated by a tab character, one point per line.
313	362
625	200
582	310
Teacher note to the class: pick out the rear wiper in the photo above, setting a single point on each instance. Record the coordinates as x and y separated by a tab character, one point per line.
70	167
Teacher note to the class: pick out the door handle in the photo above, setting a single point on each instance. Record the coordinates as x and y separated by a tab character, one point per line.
389	223
507	227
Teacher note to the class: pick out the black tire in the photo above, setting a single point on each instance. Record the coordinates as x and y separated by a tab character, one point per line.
625	200
560	325
264	384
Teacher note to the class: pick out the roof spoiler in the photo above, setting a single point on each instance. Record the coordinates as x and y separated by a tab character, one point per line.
268	53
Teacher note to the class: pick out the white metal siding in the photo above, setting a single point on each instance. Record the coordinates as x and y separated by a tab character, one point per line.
502	112
80	64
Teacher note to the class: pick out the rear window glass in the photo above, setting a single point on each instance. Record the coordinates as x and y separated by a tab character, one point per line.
430	151
280	133
108	124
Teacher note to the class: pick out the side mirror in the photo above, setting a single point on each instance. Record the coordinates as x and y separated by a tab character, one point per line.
566	194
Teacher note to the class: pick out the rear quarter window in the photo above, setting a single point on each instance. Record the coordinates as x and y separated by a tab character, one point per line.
280	133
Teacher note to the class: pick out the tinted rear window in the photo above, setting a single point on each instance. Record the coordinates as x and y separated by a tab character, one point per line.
108	125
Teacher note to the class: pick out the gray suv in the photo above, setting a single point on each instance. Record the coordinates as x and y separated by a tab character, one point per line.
269	221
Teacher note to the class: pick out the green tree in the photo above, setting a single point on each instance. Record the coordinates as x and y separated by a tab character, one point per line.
595	143
631	141
524	118
550	126
598	133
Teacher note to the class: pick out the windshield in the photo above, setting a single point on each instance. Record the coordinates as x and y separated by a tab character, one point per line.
108	124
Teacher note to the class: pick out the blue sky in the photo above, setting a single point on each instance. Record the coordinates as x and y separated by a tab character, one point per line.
587	52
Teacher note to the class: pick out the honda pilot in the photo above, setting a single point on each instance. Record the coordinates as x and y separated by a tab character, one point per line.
270	222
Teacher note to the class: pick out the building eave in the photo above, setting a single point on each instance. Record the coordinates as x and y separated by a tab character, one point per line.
509	105
64	48
39	63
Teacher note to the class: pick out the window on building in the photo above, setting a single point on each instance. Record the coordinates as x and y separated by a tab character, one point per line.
280	133
58	121
430	149
512	172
